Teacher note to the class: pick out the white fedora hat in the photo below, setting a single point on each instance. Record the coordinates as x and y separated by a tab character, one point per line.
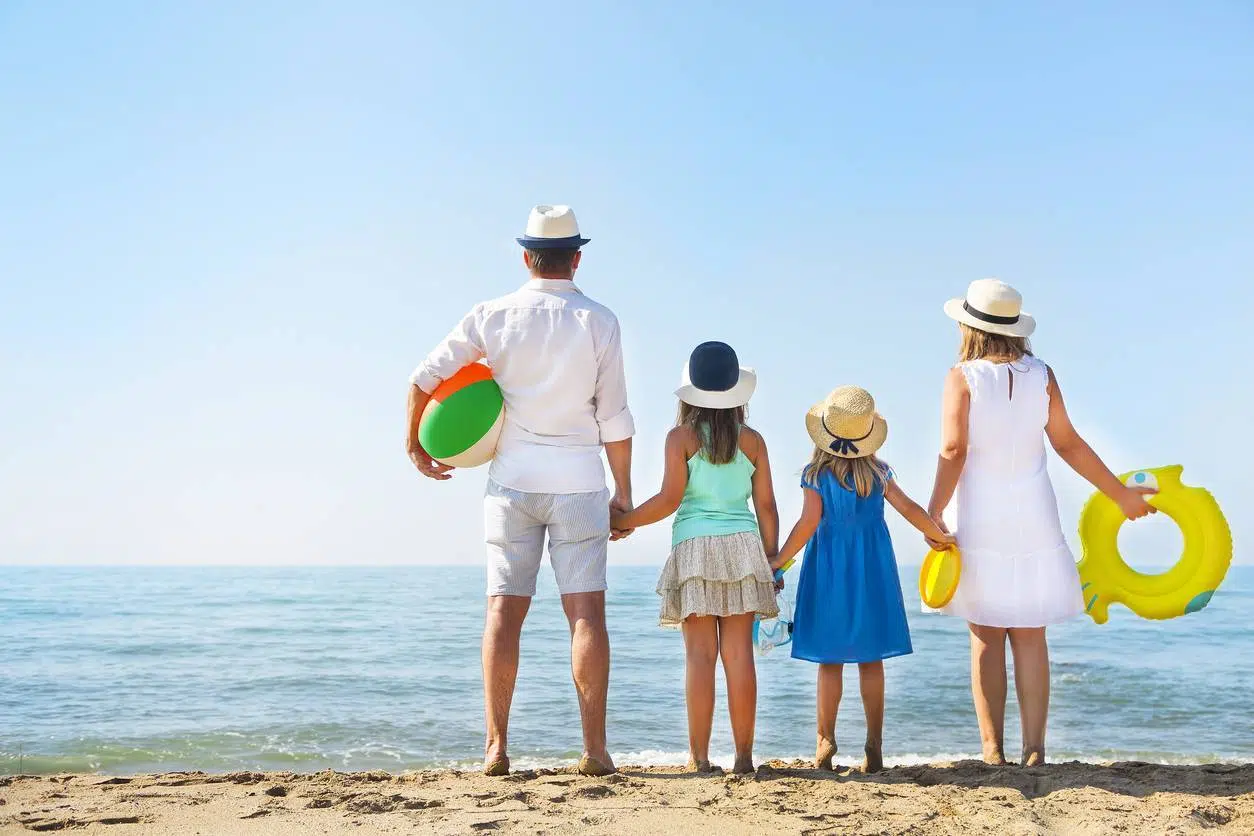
552	227
992	306
714	379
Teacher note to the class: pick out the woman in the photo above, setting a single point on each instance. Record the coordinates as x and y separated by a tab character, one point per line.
1018	575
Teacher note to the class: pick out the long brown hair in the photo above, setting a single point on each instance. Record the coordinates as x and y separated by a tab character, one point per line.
997	348
860	475
718	429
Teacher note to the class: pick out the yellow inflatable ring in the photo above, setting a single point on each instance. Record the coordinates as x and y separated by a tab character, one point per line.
1184	588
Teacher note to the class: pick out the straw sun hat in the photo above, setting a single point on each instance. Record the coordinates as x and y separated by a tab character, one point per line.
992	306
846	424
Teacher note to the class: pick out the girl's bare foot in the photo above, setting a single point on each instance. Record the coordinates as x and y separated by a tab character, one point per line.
874	760
824	753
1034	757
743	765
994	756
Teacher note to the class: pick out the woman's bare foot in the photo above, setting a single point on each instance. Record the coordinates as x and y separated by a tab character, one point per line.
743	765
824	753
874	760
1034	757
994	756
703	767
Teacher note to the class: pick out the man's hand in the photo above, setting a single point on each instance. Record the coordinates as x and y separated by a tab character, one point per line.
620	505
426	465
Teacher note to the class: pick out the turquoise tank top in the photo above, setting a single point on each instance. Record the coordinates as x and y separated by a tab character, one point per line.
716	501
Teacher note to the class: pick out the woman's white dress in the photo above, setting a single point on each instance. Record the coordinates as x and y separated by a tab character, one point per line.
1017	570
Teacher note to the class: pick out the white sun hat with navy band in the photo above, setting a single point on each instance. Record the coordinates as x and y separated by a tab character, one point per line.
846	424
992	306
552	228
714	379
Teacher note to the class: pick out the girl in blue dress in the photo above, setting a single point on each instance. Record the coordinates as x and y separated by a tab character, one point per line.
849	604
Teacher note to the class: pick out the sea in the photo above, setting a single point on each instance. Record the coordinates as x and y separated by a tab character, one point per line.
132	670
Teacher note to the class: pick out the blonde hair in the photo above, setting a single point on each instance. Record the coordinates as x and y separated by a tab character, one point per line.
861	475
718	429
999	348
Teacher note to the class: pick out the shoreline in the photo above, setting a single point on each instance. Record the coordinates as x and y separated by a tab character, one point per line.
780	797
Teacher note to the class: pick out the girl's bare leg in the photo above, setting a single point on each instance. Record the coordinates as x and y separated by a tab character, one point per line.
988	688
831	684
1031	654
735	639
701	649
871	680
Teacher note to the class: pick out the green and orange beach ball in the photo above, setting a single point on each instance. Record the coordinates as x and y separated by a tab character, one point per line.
462	422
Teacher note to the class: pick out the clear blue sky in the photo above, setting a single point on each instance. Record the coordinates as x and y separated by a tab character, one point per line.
229	230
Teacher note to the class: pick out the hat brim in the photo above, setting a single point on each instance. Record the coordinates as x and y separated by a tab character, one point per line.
1023	328
573	242
738	395
863	447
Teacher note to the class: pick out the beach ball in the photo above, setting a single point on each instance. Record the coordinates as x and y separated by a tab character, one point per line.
462	422
938	577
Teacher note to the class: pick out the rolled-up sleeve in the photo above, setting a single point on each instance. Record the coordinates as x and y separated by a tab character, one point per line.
613	418
463	346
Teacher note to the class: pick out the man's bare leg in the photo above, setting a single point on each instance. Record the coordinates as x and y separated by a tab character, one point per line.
590	668
502	629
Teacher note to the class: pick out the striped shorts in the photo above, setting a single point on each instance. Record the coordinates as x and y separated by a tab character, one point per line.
515	524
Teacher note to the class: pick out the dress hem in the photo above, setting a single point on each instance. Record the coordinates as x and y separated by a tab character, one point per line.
847	661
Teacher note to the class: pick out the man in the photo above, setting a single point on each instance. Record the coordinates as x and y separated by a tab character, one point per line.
557	356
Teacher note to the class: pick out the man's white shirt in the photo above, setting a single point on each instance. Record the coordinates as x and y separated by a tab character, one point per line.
558	358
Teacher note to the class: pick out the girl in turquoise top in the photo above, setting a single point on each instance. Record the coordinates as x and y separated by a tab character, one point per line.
718	578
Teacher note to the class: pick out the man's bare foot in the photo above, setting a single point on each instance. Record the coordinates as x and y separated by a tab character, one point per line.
994	756
495	761
874	760
596	768
743	765
824	753
703	767
1034	757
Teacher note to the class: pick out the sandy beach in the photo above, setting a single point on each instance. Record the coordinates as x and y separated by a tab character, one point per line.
781	798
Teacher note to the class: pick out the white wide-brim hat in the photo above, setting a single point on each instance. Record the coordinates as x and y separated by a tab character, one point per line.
992	306
714	379
846	424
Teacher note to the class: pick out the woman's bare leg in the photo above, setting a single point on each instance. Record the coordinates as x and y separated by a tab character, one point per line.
1031	654
988	688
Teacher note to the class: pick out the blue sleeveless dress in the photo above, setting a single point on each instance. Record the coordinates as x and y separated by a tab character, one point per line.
849	603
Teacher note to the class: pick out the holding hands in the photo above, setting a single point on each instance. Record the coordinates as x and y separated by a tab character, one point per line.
620	507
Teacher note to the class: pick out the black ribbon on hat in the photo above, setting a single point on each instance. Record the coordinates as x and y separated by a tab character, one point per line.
842	446
988	317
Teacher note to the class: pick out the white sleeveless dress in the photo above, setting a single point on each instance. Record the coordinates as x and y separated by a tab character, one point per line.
1017	570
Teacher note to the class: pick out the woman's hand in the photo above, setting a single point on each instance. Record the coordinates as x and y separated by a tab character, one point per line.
1132	502
945	542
